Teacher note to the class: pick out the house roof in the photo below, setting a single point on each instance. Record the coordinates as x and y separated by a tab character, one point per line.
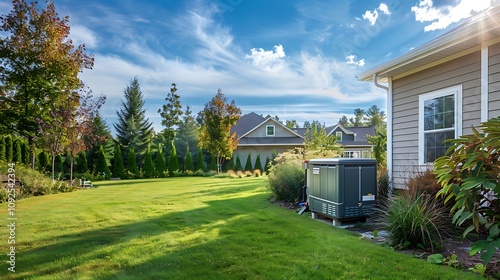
361	139
246	123
479	31
270	141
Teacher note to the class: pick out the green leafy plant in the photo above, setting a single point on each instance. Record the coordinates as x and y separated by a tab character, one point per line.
470	174
479	269
286	176
440	259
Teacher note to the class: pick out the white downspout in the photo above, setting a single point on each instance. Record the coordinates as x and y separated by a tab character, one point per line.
388	89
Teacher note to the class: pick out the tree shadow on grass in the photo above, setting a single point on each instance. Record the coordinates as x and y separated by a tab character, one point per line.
74	250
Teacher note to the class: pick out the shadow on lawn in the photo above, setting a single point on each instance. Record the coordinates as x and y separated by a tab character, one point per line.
74	250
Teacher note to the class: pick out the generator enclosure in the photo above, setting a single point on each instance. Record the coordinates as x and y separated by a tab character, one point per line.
341	188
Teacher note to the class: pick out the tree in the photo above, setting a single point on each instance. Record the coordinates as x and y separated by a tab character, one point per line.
17	155
237	165
39	67
216	120
99	136
343	121
25	152
148	169
258	164
2	148
317	143
133	129
358	117
9	150
132	163
171	113
213	164
248	164
291	124
173	163
43	162
118	167
188	163
187	135
58	165
82	166
379	142
160	166
102	165
375	117
267	165
200	162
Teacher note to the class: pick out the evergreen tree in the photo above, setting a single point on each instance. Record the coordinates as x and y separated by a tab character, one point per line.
131	163
2	148
213	164
118	167
67	163
173	163
102	165
230	164
58	165
258	164
101	135
248	164
171	113
266	166
81	163
18	155
200	162
188	162
160	163
237	166
187	134
43	162
133	129
148	169
9	151
25	150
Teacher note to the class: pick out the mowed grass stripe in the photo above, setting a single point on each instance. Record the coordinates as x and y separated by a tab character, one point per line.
192	228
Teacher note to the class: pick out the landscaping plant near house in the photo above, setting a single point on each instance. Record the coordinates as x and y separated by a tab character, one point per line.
286	176
470	174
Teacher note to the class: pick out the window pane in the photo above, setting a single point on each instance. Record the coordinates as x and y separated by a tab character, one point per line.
434	146
449	120
439	113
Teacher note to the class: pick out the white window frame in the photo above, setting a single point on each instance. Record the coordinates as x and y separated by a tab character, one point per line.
351	154
267	130
365	154
339	138
457	92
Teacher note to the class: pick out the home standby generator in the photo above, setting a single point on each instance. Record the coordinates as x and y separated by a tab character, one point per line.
341	188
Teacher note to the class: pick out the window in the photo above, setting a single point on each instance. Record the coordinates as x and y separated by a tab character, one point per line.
365	154
338	134
351	154
270	130
440	114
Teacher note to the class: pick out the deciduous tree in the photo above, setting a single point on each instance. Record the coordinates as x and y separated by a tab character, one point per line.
216	120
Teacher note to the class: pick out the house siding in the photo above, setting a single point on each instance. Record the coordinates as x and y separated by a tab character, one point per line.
465	71
279	131
494	81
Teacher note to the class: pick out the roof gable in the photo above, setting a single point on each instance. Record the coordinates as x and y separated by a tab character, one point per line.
246	123
272	121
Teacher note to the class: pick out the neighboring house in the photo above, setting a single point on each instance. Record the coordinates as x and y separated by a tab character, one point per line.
266	137
439	91
353	140
263	137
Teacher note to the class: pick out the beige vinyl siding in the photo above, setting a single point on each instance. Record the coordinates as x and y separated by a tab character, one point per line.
465	71
494	81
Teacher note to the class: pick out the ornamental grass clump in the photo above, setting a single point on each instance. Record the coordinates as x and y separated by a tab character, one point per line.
415	220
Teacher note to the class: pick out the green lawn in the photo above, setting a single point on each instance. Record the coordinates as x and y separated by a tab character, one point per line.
191	228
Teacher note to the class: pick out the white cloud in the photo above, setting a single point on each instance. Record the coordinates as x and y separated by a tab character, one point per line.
269	60
82	35
442	17
351	59
373	16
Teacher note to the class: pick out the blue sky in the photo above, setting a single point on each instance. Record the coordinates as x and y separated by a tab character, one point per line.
295	59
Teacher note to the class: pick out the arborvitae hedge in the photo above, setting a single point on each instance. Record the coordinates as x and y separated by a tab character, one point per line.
9	151
81	163
18	154
173	163
148	170
200	162
160	166
131	163
266	167
248	164
58	165
118	167
2	148
188	163
238	166
44	163
102	166
213	164
258	165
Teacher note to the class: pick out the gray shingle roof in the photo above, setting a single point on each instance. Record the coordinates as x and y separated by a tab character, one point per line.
271	141
247	123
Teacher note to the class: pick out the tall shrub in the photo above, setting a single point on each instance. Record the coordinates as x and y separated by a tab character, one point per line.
18	154
9	151
102	165
2	148
258	164
148	170
160	165
188	162
118	167
237	165
213	164
43	162
267	165
173	163
200	162
248	164
132	163
25	151
286	177
81	163
469	176
58	165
